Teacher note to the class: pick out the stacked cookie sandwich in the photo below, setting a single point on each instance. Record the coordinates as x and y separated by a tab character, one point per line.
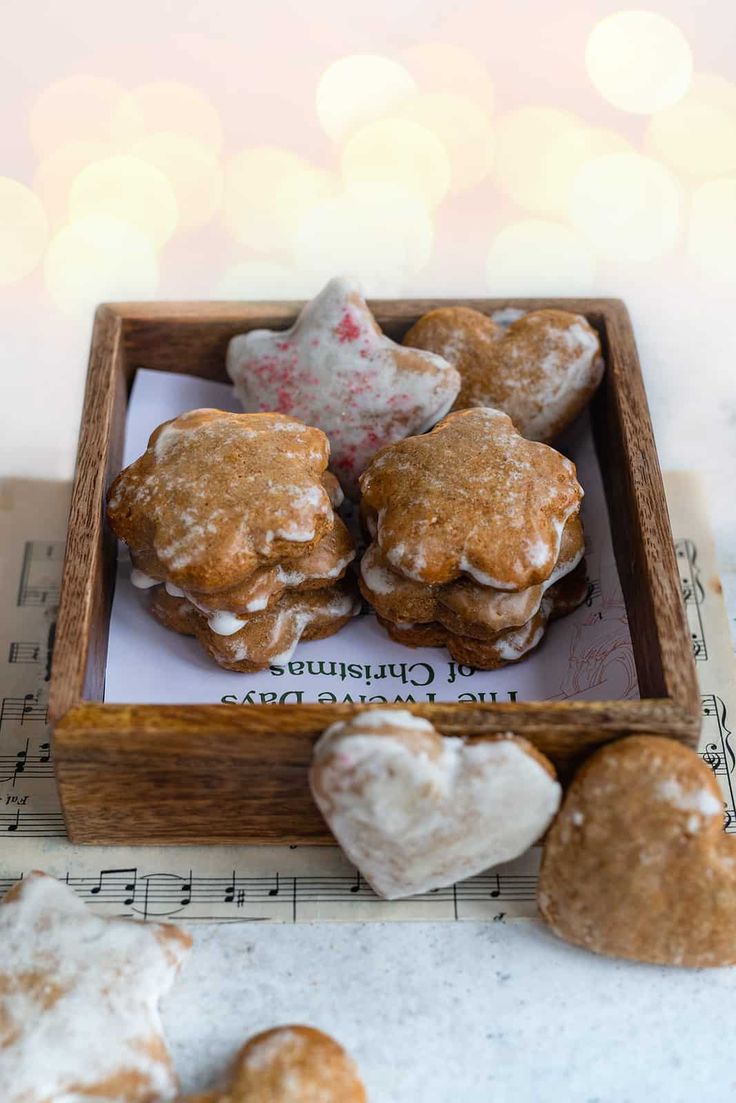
476	539
235	515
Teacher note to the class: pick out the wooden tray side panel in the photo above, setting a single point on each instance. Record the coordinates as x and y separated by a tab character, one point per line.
80	649
232	774
640	525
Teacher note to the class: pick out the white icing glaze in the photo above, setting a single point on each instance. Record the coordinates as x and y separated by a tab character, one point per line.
96	1015
701	801
413	820
374	719
141	580
174	591
336	370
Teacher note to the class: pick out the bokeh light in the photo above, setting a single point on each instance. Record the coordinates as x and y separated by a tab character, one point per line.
129	189
99	259
639	61
443	67
267	193
538	151
627	206
193	170
377	232
265	279
537	257
401	153
358	89
166	106
711	239
56	172
464	129
77	108
698	135
23	230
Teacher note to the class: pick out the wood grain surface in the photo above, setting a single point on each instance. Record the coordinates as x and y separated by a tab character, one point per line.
237	773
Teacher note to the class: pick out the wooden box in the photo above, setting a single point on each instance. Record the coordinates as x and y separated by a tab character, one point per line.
237	773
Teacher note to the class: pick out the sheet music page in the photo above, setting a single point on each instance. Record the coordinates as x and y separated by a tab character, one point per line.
253	883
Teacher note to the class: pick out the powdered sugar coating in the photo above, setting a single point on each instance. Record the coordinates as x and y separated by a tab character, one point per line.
216	495
414	811
541	368
474	497
334	368
78	1000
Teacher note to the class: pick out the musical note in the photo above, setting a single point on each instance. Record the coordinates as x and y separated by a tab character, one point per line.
496	892
109	881
23	652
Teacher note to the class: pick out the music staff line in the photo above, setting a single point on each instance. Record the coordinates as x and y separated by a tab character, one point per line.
39	577
693	595
162	895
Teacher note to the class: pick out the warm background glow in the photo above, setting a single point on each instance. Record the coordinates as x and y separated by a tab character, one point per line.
195	151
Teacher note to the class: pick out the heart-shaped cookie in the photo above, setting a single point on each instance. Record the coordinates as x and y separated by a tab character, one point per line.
637	864
541	371
415	811
290	1064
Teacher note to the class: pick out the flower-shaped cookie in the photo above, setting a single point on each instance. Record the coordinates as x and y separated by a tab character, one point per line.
262	639
541	371
78	1000
463	606
336	369
474	497
290	1064
217	495
489	652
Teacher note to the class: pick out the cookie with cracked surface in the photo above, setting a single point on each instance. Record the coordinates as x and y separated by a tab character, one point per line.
263	639
414	810
216	496
637	864
472	497
336	369
542	370
290	1064
79	999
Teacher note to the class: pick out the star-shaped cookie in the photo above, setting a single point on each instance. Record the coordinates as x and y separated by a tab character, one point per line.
335	368
471	497
78	1000
217	495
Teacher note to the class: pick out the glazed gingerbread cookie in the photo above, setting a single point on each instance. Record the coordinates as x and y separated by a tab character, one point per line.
488	651
216	496
324	565
472	497
290	1064
79	1000
463	606
637	864
415	811
542	370
336	369
267	638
